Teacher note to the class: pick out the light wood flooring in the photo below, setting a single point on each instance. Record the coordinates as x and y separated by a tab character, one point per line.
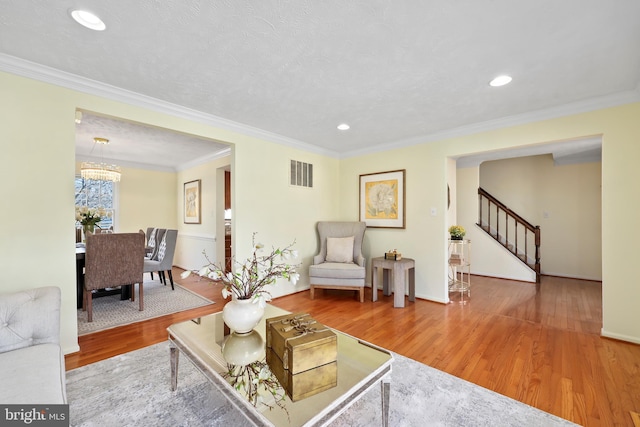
541	348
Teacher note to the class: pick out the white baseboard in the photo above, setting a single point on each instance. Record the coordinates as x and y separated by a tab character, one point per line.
621	337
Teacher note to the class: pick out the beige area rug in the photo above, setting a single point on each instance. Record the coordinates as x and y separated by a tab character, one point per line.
111	311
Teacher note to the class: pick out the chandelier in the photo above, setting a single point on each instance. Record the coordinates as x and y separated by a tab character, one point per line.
100	171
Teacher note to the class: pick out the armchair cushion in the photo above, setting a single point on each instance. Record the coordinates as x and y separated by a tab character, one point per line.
337	270
339	249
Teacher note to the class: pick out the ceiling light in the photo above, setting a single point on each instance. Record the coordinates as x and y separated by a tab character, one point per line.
100	171
500	81
88	20
343	126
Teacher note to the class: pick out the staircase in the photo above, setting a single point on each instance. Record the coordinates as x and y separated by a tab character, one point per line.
513	232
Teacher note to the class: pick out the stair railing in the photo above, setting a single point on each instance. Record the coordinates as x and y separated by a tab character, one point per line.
516	234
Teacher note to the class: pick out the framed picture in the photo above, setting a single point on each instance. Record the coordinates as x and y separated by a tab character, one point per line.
382	203
192	202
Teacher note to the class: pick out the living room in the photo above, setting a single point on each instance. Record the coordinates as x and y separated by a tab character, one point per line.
38	109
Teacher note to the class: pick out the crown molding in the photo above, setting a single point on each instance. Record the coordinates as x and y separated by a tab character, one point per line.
32	70
205	159
24	68
577	107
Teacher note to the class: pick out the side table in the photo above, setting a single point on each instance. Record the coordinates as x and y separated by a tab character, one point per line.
398	270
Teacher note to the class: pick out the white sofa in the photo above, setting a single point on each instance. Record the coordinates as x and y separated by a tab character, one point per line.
32	369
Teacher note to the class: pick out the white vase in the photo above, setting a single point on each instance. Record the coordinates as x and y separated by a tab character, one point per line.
242	315
243	349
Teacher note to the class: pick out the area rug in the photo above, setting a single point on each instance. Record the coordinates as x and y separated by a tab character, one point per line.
111	311
133	390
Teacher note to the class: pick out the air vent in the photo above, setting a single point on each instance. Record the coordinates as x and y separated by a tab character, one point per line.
301	174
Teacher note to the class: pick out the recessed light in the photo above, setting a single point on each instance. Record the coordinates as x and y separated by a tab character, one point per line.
500	81
88	20
343	126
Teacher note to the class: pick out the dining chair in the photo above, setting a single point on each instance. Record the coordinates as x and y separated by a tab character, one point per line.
154	236
113	260
163	260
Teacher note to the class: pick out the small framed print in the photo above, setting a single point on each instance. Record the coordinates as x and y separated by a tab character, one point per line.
192	202
382	199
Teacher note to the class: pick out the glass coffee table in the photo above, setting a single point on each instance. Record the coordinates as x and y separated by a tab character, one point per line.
209	345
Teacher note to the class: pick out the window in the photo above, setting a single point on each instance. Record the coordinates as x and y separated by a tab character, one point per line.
94	195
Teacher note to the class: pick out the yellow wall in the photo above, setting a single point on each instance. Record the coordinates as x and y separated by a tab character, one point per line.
425	237
38	131
145	199
571	243
37	146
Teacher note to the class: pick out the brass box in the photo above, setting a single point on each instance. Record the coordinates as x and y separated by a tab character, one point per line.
304	384
396	256
300	342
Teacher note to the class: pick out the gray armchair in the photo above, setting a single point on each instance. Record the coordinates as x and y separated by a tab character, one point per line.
340	263
163	259
113	260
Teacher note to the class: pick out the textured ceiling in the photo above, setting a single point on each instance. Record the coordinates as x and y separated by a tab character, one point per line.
136	145
396	71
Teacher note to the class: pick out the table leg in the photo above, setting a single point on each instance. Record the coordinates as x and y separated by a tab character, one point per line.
173	356
385	392
79	281
386	289
398	287
412	284
374	283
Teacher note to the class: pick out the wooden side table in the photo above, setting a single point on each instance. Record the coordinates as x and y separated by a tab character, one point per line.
398	270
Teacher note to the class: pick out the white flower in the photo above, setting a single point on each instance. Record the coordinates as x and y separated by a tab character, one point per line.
294	254
294	277
257	247
225	293
204	271
185	274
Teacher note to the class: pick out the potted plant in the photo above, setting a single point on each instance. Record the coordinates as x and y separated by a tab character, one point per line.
457	232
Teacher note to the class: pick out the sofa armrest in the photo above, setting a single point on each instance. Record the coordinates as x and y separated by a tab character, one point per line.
361	261
29	318
318	259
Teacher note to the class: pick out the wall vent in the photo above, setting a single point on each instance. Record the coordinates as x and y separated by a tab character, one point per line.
301	174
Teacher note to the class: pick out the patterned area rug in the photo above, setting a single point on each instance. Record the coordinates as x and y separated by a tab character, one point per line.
133	390
111	311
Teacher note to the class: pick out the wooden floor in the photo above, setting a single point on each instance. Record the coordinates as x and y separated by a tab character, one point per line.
541	348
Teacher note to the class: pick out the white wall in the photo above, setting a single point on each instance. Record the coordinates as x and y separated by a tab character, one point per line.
194	238
569	195
488	257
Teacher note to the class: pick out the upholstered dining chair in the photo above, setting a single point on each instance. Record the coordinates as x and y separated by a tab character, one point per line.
113	260
163	258
154	236
339	264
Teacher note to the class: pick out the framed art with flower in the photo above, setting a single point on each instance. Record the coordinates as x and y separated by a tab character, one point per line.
382	199
192	202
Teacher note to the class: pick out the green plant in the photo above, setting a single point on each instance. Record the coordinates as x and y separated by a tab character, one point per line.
457	231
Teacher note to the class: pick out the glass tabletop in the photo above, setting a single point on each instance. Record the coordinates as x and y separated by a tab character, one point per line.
225	358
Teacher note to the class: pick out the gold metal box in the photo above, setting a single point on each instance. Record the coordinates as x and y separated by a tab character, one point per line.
303	384
300	342
395	256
